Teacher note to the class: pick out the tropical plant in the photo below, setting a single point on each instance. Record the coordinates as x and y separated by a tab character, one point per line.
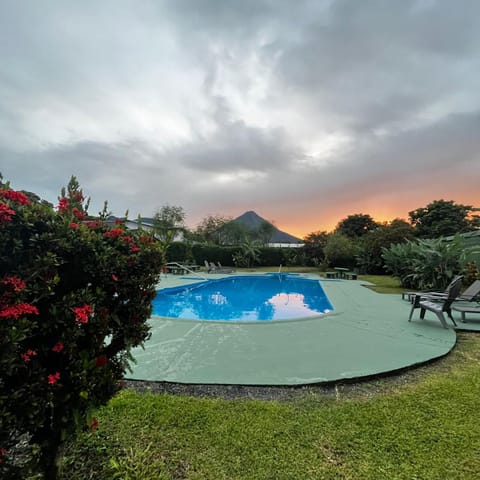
248	254
74	299
426	264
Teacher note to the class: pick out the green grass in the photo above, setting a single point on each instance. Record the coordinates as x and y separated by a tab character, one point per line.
424	424
421	424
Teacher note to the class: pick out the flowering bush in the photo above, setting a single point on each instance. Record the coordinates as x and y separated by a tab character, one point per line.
74	299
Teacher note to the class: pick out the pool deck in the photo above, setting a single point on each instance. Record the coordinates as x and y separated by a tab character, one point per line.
367	334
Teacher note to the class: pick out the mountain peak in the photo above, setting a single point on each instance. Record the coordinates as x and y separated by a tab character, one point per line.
253	221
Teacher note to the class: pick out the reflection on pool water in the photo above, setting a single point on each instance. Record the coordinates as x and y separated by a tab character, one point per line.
245	298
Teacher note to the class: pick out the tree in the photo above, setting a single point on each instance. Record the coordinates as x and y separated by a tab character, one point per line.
369	258
340	251
210	228
264	232
314	245
168	222
443	218
356	225
75	296
233	233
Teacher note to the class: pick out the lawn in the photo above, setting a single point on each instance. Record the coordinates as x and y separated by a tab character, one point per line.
421	424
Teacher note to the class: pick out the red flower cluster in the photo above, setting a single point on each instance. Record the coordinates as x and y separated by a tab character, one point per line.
27	356
82	313
52	379
114	277
15	311
58	347
78	214
93	224
134	249
6	213
94	424
15	283
3	451
114	233
17	197
74	225
63	205
101	361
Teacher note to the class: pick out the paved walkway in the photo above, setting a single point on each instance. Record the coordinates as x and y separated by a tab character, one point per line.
367	334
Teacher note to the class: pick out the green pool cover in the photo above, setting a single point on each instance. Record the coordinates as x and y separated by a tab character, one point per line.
367	334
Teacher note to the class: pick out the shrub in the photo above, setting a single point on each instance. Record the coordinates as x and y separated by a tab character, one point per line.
74	299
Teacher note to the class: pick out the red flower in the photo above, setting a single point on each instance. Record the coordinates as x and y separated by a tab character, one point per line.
113	233
128	239
3	451
82	313
94	424
27	356
63	205
17	284
74	225
93	224
134	249
52	379
101	361
114	277
58	347
5	213
17	197
15	311
78	214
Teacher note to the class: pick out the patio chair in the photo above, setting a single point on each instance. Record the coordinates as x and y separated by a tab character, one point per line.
221	269
411	295
437	305
210	267
464	309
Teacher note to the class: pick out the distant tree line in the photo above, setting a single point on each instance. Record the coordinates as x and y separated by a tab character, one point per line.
357	242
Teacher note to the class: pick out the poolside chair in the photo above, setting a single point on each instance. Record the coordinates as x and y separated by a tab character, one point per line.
464	309
411	295
222	269
437	305
210	267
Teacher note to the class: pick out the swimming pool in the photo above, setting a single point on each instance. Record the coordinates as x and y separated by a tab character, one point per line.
245	298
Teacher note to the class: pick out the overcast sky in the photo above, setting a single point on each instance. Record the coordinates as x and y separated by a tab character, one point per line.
304	111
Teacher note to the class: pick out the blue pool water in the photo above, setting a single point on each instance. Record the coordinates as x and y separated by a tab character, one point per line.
245	298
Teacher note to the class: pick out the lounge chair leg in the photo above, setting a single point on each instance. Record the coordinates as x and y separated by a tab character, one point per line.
442	319
451	318
411	313
422	313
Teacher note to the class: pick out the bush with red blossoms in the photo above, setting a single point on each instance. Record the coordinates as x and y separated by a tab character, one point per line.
74	299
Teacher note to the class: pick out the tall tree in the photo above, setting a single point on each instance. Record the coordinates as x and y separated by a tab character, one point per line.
356	225
168	222
210	228
372	244
264	232
314	245
442	218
